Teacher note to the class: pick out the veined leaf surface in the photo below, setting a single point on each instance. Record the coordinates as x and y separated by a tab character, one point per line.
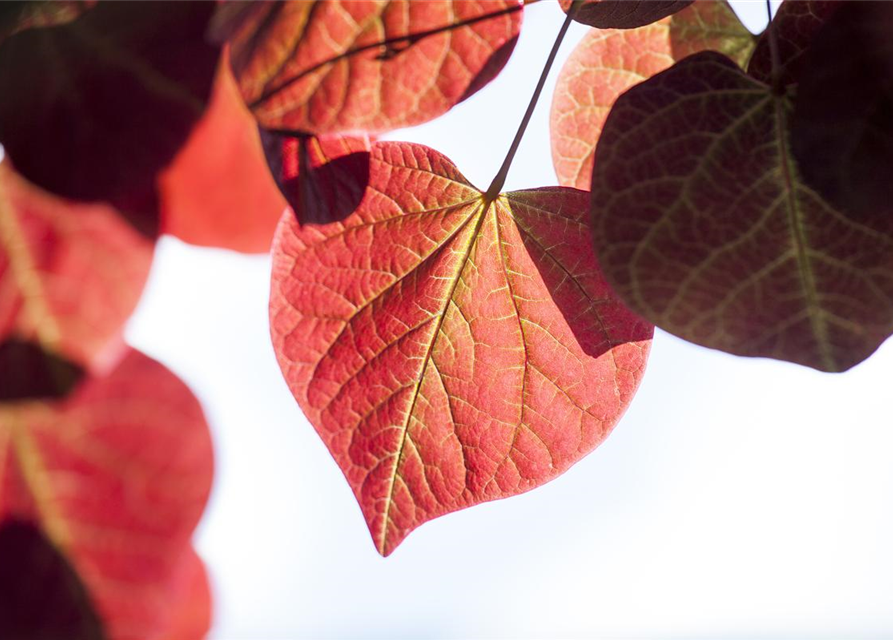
338	66
623	14
115	476
795	25
703	225
447	349
608	62
218	191
70	274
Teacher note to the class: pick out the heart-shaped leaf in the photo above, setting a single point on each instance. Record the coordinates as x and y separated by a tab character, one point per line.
218	191
703	225
843	138
623	14
336	66
70	274
794	25
93	109
323	178
450	350
606	63
115	476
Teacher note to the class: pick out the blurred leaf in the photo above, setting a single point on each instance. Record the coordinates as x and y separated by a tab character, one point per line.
70	274
93	109
115	476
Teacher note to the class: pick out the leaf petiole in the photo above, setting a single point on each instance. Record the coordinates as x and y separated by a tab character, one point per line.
498	181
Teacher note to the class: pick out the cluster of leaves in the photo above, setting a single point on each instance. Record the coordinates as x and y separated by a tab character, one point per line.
450	345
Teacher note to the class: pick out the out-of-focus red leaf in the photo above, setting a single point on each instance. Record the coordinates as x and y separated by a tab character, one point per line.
191	617
41	596
323	178
447	349
795	25
93	109
115	476
606	63
703	226
70	274
842	129
337	66
18	15
218	191
623	14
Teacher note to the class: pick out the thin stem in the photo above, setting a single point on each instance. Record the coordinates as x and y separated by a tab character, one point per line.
499	180
777	87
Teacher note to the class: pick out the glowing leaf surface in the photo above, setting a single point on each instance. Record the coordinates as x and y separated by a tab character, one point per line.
70	274
115	476
218	191
703	225
339	66
450	351
606	63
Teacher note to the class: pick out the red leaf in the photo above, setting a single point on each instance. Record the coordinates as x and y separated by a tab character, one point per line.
606	63
191	596
93	109
323	178
70	274
795	25
115	476
623	14
703	226
218	191
450	351
842	138
338	66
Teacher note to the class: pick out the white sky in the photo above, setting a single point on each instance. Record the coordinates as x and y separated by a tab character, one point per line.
737	497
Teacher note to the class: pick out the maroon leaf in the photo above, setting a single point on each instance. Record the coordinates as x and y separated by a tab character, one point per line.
795	24
842	131
703	226
623	14
95	108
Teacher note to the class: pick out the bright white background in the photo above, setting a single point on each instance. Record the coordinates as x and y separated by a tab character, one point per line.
737	497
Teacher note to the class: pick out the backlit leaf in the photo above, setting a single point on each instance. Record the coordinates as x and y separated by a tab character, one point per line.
606	63
70	274
94	108
115	476
448	350
703	226
842	130
795	25
218	191
338	66
623	14
323	178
